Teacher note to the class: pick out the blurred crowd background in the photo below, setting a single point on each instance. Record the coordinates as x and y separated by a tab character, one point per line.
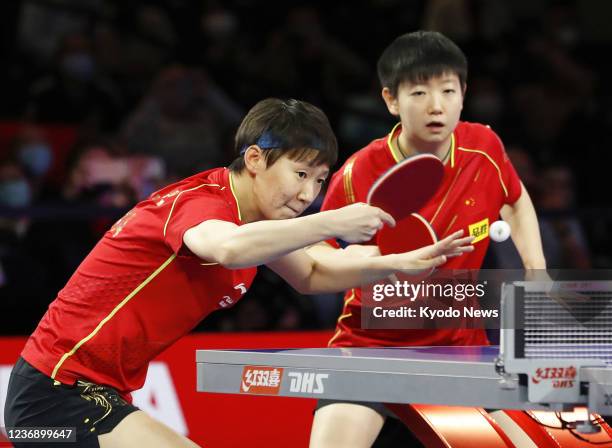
102	102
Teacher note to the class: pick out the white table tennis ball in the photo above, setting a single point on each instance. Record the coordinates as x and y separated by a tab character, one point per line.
499	231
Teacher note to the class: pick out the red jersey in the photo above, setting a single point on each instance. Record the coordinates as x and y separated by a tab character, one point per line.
478	180
139	289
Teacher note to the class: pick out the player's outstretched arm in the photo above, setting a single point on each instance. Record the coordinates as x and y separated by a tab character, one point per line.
323	249
333	270
523	221
261	242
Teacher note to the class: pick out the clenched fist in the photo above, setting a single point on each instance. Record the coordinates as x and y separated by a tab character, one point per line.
358	222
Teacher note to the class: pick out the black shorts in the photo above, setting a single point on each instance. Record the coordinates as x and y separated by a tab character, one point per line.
33	400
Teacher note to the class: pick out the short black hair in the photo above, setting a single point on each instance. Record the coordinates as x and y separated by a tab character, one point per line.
419	56
297	129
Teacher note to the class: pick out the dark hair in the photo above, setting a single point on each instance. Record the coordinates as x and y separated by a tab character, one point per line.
418	57
291	127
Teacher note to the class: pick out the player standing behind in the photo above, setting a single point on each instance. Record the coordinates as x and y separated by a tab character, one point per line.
188	250
423	76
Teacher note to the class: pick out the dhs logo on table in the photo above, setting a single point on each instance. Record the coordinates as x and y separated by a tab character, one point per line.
261	380
307	382
560	377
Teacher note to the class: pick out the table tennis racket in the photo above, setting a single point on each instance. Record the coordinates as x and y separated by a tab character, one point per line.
407	186
411	233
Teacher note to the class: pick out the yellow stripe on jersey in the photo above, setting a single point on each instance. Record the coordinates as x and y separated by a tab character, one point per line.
446	195
231	180
347	178
490	159
110	315
448	227
178	196
343	316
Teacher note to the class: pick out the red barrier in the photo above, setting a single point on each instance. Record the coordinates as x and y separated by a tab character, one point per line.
211	420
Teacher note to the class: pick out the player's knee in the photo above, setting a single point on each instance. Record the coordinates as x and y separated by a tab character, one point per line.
139	428
345	425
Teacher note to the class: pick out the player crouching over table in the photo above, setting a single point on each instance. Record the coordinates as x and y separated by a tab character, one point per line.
189	249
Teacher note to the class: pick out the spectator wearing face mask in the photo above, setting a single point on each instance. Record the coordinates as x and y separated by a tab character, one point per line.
34	154
35	157
96	178
74	92
15	191
18	265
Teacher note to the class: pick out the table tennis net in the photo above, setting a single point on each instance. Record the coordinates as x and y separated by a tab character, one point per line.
570	327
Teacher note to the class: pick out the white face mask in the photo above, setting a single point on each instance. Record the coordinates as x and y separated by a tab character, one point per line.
15	193
36	158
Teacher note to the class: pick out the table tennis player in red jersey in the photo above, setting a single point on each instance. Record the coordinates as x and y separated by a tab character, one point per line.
189	249
423	76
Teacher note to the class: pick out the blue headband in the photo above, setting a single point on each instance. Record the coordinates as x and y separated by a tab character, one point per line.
266	141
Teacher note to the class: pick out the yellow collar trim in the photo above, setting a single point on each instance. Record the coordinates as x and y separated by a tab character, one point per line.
395	153
233	189
452	154
398	156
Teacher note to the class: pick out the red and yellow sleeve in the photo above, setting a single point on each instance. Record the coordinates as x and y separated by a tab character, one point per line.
509	176
189	209
340	192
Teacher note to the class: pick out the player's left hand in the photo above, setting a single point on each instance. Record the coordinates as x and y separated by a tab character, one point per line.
434	255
